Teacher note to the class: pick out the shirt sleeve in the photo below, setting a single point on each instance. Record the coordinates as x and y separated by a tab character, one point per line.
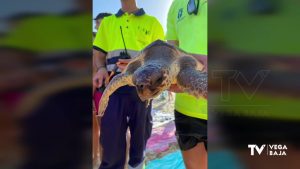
171	29
100	42
158	31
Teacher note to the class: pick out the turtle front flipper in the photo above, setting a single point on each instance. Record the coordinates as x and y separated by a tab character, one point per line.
118	81
193	82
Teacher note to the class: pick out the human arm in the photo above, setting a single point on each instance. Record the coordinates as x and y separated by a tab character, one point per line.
99	64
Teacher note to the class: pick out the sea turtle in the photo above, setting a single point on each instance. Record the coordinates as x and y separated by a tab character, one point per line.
154	69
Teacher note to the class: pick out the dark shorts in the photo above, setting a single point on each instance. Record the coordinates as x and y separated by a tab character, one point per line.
190	131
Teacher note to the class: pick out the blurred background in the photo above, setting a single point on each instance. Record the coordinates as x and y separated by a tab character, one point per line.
45	84
254	97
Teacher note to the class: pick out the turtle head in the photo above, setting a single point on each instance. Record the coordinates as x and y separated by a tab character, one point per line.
151	81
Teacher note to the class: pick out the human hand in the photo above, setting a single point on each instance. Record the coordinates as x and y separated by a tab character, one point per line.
174	88
100	76
122	63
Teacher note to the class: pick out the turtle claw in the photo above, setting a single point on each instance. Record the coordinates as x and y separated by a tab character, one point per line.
148	103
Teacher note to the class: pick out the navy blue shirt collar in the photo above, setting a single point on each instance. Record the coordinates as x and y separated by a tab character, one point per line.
139	12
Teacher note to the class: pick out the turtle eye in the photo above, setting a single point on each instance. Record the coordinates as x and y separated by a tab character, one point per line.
159	80
155	84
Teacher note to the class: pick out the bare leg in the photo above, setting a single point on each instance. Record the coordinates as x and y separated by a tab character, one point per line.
128	137
96	144
195	158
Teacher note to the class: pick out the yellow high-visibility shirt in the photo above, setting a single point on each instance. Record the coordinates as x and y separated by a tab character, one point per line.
138	29
191	32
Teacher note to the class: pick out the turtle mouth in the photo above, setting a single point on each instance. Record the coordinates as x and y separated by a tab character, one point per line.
156	93
152	96
148	94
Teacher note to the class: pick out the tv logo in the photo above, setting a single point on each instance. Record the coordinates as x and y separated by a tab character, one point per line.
255	147
271	149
